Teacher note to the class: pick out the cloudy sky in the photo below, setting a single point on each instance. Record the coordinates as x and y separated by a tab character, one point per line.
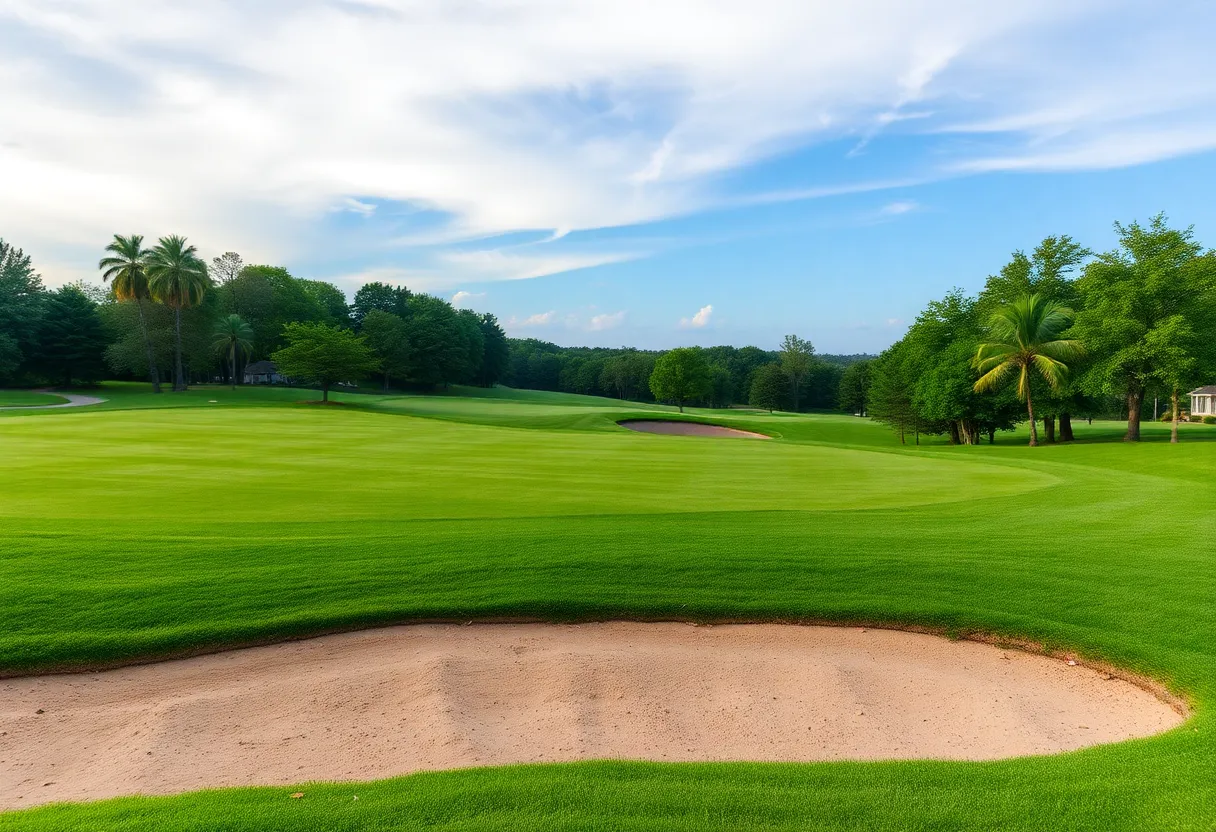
655	172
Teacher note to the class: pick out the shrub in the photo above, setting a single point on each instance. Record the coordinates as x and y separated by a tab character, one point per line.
1209	420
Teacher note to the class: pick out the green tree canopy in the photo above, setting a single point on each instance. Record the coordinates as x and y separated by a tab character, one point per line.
1025	340
231	337
178	279
855	387
796	355
325	355
125	269
680	375
388	337
770	387
1144	304
71	339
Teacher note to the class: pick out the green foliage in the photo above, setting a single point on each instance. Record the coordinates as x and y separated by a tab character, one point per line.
329	301
496	354
71	339
1148	308
855	388
324	354
21	308
231	337
1209	420
795	356
387	336
391	299
178	279
680	375
770	388
439	342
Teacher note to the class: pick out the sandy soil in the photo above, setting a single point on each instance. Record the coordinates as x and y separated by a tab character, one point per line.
385	702
687	429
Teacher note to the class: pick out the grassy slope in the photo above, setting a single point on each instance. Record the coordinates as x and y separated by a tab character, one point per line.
284	520
28	398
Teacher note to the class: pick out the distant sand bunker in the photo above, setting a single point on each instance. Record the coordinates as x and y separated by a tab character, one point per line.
672	428
385	702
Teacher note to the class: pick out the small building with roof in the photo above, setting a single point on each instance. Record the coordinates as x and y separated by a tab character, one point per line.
1203	401
263	372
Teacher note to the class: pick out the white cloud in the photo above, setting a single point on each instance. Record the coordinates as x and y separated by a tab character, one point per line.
605	321
240	124
698	320
894	209
539	319
462	297
497	264
894	321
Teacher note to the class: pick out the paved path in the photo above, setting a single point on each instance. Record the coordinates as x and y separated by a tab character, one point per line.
73	400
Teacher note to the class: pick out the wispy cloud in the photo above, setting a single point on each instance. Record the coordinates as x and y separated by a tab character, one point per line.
894	209
699	320
539	319
606	321
244	125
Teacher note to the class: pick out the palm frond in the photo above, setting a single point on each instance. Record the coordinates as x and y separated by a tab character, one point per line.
994	376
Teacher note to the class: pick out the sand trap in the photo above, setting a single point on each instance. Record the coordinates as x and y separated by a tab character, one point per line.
390	701
670	428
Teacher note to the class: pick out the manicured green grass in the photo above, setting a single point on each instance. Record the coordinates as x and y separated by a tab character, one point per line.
28	398
129	532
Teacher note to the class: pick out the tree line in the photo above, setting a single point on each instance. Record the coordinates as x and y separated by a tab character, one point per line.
164	315
1059	334
791	378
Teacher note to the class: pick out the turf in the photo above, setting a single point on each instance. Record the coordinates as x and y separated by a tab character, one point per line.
127	531
28	398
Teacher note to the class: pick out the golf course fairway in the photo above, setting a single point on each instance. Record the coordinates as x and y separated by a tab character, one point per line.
148	527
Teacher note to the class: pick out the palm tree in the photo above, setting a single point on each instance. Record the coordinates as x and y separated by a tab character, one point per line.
178	279
127	268
232	335
1026	334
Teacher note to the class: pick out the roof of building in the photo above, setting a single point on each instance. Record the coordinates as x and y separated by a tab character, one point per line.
1210	390
260	368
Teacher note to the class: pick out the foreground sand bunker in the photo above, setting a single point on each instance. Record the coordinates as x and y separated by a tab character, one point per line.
673	428
384	702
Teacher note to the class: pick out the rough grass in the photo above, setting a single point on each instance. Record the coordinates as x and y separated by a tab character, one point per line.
28	398
150	532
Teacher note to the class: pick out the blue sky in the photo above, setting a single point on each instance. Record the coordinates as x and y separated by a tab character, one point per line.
620	172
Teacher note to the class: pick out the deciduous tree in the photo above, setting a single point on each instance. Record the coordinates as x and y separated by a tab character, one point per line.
325	355
680	375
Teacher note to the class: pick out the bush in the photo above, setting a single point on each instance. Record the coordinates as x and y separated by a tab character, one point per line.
1209	420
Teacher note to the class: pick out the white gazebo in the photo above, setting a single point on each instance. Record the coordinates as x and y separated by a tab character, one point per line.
1203	401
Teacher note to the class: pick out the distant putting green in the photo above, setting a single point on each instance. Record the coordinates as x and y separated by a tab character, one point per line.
151	526
27	398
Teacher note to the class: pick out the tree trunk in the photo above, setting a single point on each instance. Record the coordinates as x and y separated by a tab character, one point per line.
1034	430
680	402
1174	417
153	372
325	392
1133	415
1049	428
179	378
1065	427
384	389
991	436
954	438
232	366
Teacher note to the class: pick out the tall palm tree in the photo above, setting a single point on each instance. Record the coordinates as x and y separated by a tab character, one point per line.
178	279
127	269
1026	336
232	335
